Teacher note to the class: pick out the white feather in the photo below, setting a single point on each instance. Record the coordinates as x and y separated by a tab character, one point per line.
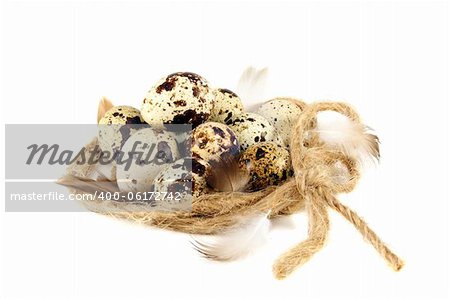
251	87
352	138
236	242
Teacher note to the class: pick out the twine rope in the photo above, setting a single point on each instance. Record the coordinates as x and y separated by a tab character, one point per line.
312	189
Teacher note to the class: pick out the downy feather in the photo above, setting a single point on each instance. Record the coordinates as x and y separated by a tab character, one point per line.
352	138
251	87
237	241
226	175
103	106
101	184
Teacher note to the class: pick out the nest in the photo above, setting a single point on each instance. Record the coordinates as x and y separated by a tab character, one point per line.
312	189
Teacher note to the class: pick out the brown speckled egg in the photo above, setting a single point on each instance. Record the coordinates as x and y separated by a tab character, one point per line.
212	141
283	115
268	164
116	126
180	98
227	105
183	178
145	153
251	128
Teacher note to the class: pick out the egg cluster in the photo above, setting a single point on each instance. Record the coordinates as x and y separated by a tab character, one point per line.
220	130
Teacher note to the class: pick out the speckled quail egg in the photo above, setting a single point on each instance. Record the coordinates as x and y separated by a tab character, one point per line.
251	128
185	176
107	170
227	105
116	126
145	153
213	141
180	98
267	163
283	114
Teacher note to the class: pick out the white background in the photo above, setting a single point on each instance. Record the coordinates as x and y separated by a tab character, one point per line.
389	59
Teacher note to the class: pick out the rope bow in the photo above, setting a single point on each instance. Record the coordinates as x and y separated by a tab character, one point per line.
314	166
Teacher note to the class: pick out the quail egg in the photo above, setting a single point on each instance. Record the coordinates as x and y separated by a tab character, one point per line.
227	105
144	154
182	179
251	128
180	98
283	115
116	126
213	141
107	170
267	163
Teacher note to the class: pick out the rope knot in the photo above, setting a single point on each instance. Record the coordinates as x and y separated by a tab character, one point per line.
314	178
320	173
